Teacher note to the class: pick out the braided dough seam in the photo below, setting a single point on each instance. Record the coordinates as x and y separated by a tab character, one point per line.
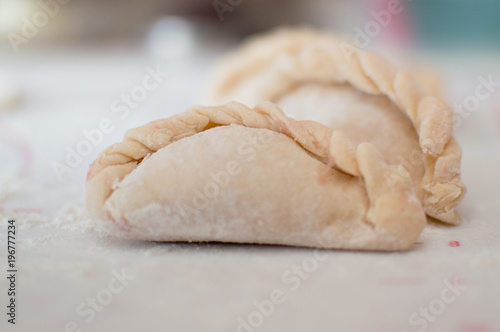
302	55
395	214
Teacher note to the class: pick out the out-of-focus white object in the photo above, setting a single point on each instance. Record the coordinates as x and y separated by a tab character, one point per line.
10	93
12	12
172	37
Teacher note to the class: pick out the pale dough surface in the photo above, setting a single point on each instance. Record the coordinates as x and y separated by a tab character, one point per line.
288	182
275	195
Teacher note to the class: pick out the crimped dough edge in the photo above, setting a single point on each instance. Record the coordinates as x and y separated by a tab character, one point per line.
301	55
396	227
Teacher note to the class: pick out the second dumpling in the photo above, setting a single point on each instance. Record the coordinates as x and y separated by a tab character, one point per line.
313	75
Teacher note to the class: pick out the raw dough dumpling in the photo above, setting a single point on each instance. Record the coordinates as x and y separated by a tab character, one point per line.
234	174
315	76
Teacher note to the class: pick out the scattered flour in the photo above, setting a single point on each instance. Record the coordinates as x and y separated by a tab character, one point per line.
72	216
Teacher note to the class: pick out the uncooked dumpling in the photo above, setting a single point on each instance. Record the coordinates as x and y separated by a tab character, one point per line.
234	174
315	76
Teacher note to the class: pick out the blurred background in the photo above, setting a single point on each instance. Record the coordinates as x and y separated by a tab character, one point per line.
66	64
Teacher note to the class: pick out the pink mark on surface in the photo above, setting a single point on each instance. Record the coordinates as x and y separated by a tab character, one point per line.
418	243
324	173
14	138
122	224
454	244
458	281
285	128
401	281
399	29
90	175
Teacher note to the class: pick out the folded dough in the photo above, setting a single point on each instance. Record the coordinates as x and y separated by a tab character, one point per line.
315	76
234	174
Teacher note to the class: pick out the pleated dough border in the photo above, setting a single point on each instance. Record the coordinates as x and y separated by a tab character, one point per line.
395	214
296	56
